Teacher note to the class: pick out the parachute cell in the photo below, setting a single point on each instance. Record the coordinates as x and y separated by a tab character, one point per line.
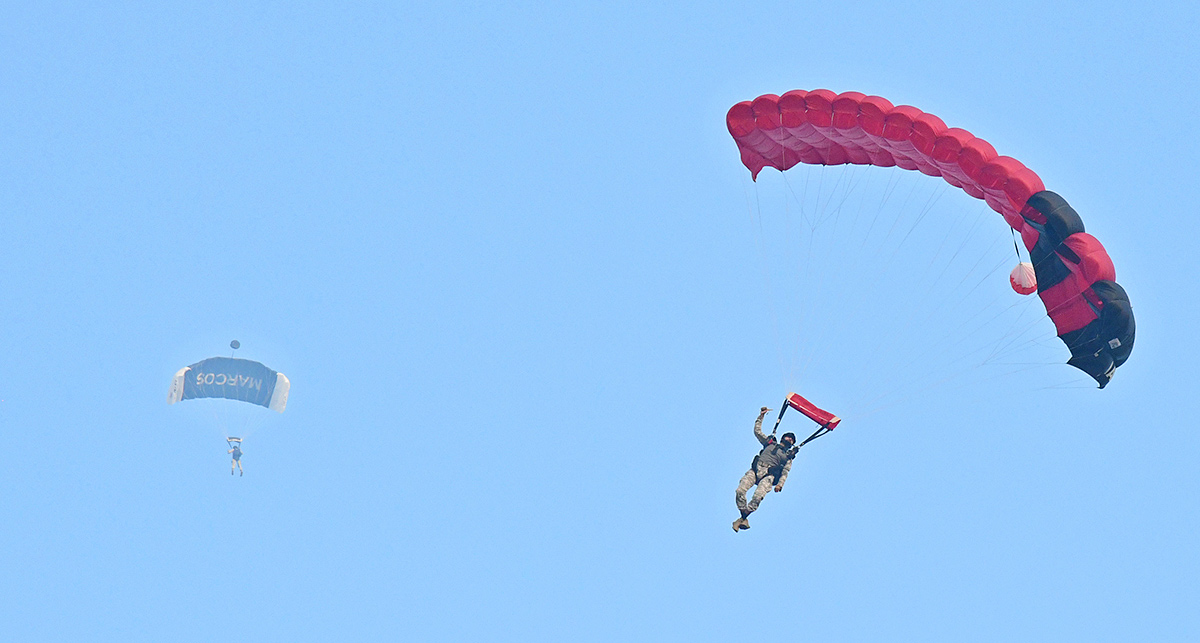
1075	278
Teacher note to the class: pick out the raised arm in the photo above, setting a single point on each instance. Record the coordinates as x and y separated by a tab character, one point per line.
762	438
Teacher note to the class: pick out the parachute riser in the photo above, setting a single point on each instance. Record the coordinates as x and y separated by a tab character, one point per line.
816	434
782	409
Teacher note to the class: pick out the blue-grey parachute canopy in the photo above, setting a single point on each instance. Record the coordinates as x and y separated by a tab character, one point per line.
231	378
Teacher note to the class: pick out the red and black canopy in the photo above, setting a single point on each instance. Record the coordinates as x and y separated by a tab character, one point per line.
1076	278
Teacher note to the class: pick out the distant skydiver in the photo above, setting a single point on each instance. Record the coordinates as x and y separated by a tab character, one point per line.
769	469
236	451
771	466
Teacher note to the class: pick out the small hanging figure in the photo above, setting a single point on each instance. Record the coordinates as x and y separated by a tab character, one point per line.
770	467
236	452
769	470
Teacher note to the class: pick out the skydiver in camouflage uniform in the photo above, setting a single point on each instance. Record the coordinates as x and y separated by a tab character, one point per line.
236	452
769	469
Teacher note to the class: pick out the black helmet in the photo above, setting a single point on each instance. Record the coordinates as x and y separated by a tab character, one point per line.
787	435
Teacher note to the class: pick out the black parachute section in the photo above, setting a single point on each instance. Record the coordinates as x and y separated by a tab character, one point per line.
1104	343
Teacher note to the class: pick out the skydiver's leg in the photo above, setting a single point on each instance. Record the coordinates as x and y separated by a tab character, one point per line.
764	487
739	496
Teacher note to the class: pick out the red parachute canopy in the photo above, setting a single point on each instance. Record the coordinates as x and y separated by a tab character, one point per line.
1075	278
822	128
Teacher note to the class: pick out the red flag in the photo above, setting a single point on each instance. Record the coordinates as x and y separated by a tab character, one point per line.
810	410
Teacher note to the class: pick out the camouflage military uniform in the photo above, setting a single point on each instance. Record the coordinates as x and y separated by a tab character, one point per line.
770	468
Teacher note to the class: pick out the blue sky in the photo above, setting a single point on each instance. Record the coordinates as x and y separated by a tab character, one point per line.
530	302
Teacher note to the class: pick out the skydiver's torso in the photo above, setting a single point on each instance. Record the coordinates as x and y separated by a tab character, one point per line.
773	456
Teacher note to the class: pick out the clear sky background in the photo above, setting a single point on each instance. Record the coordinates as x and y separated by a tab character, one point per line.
530	302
